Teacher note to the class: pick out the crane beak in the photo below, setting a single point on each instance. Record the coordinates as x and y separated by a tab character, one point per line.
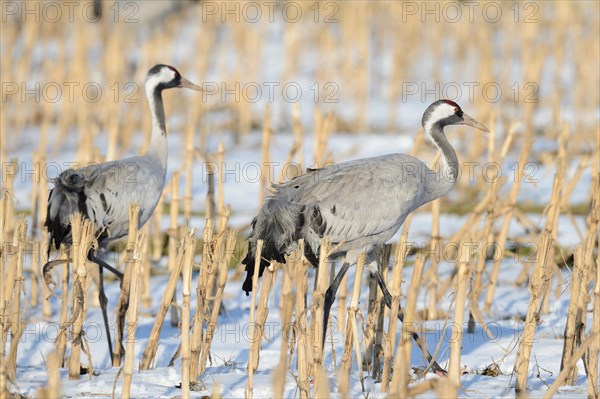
467	120
187	84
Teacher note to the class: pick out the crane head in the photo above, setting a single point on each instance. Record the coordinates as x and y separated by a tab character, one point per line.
447	112
162	77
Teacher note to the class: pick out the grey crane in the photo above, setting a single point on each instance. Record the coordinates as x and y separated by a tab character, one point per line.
103	192
357	204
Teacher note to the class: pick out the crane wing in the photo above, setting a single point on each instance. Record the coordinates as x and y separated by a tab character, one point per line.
363	198
357	204
103	193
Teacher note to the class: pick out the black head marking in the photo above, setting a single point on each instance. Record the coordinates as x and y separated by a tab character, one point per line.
156	70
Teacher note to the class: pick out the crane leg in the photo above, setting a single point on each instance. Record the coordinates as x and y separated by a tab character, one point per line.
330	297
102	295
387	297
103	302
106	266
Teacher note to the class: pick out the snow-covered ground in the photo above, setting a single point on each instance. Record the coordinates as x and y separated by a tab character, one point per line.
230	347
229	350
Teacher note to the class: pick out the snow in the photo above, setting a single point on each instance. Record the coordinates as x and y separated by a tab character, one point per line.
231	342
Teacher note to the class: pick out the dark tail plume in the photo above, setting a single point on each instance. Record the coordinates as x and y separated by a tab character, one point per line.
67	197
277	224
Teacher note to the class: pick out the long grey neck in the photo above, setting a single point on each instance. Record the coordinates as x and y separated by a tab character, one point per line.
446	177
158	138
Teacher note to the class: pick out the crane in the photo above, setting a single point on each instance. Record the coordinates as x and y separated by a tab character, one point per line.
103	192
358	204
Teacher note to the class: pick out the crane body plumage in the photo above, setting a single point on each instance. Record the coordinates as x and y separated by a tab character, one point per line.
103	193
358	204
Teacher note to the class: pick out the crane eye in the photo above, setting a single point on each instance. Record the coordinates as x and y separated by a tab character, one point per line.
455	109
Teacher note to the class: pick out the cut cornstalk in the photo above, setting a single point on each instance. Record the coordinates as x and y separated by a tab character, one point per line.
253	335
133	264
527	338
221	183
16	325
201	297
569	339
82	230
61	339
317	308
261	313
401	377
351	340
225	258
396	283
593	387
301	325
287	305
189	245
152	344
462	280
